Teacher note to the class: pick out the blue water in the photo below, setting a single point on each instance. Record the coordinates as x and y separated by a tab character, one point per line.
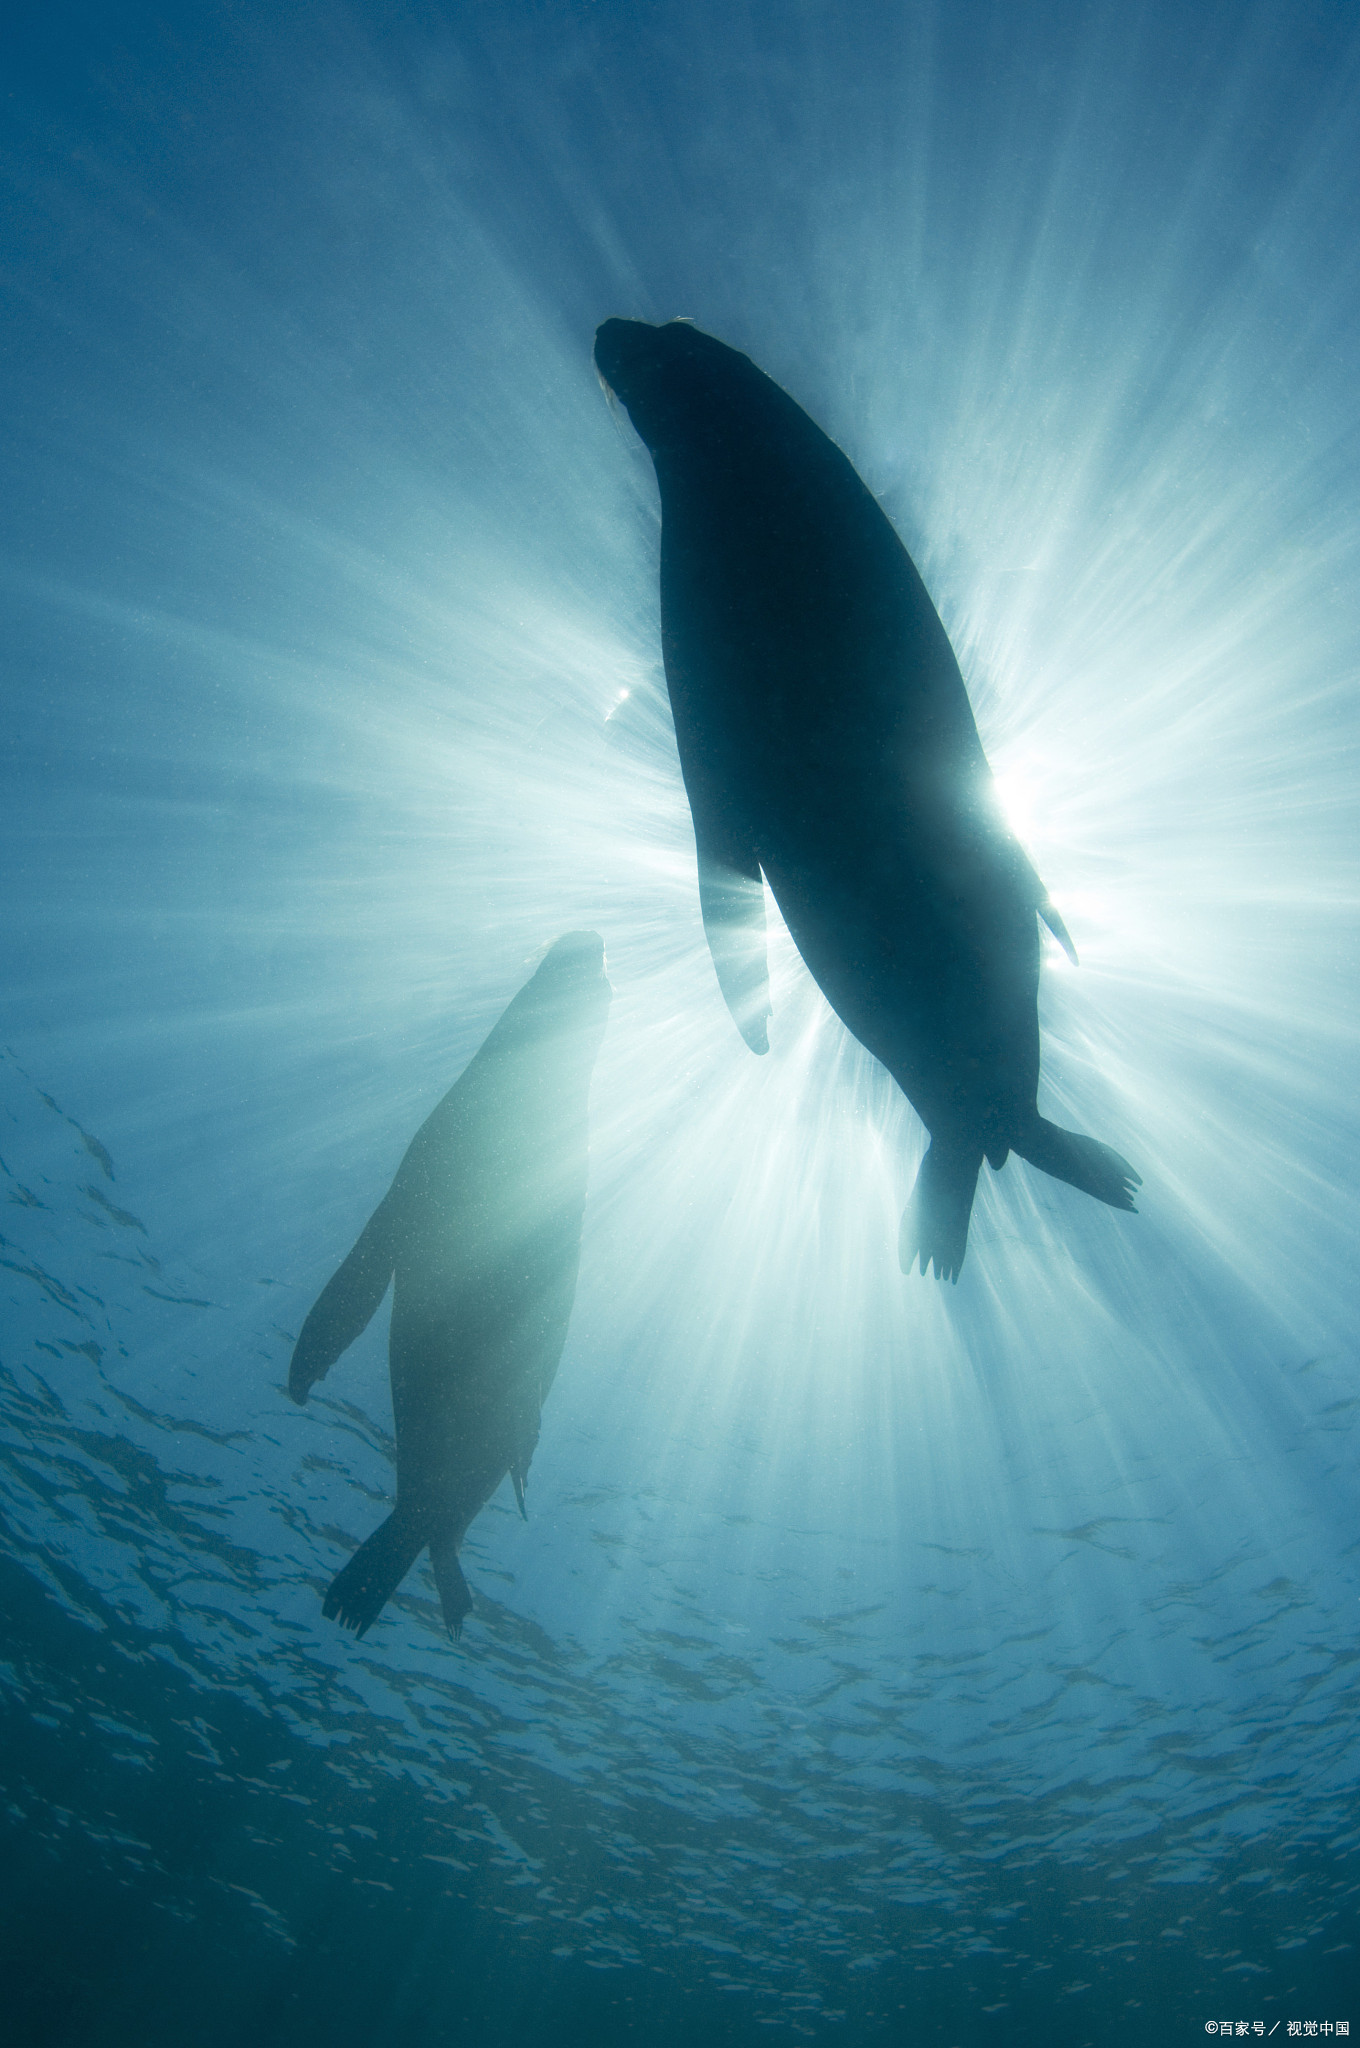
879	1661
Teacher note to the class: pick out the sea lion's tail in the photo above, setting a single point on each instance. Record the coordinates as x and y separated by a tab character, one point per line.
358	1594
935	1220
1082	1162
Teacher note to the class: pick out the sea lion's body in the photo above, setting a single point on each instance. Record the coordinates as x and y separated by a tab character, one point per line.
826	739
480	1234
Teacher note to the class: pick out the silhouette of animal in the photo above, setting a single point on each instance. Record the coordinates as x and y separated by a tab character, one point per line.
480	1237
826	741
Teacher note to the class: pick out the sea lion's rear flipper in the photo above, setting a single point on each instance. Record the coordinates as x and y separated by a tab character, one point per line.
454	1596
1082	1162
345	1306
358	1594
935	1220
732	900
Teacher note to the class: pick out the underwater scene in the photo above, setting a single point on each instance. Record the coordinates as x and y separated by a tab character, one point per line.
679	1239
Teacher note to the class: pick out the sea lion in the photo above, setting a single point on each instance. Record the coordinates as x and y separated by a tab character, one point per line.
826	739
481	1233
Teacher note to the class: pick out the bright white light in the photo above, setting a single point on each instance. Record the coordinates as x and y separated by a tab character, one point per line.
1017	803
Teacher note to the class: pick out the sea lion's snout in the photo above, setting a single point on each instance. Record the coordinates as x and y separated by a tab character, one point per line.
573	966
583	950
616	346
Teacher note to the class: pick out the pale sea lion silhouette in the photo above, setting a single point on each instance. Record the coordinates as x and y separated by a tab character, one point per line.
826	738
481	1232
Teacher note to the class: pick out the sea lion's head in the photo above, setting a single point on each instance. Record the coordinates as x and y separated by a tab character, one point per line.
668	377
566	1001
631	354
571	975
575	956
563	1003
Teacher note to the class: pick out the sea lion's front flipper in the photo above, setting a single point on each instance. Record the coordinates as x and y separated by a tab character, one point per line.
1049	914
345	1306
732	899
1082	1162
731	892
935	1220
1040	897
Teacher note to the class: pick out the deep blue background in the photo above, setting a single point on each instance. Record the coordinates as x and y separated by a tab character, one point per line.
876	1662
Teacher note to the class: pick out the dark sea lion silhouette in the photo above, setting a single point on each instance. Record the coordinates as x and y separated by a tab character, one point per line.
826	738
481	1232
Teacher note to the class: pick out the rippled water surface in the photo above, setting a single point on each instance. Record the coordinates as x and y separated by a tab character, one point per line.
878	1661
